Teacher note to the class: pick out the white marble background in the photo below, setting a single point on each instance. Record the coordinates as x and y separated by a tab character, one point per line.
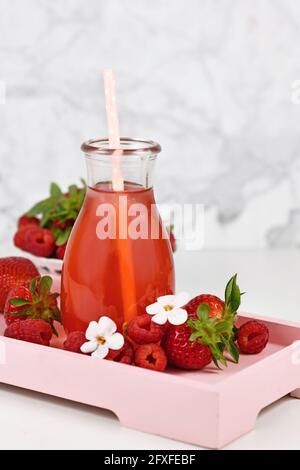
209	79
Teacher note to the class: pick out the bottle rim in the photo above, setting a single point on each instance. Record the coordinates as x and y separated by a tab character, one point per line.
128	147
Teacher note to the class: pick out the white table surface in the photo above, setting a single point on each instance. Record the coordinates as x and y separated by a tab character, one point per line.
271	280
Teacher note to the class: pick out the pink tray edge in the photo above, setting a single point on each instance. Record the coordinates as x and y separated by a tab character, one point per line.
178	396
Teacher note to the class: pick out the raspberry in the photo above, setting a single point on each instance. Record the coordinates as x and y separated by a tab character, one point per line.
21	292
74	341
39	241
142	330
151	356
123	355
25	221
60	251
19	237
252	337
32	331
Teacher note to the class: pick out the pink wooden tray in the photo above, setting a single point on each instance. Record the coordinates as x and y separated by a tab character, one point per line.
209	408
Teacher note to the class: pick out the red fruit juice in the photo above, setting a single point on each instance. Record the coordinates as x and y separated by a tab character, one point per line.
114	277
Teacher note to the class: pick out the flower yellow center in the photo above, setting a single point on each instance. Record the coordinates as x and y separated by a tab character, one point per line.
101	340
168	308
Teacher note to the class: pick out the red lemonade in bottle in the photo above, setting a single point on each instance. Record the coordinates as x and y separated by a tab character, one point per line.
118	259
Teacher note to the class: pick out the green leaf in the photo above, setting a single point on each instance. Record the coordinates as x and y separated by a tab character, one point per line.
235	331
19	302
21	313
222	360
228	289
63	237
56	232
232	295
81	197
45	219
73	190
221	326
195	336
216	362
55	190
45	284
38	208
233	351
203	312
32	285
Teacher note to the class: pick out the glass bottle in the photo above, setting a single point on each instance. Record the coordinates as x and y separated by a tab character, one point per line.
118	258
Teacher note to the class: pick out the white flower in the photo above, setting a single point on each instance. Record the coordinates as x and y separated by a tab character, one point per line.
168	308
101	338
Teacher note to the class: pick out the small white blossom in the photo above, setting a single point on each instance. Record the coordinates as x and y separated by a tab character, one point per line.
101	338
169	308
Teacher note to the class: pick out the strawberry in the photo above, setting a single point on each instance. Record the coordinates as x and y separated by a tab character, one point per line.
143	330
182	352
123	355
10	311
205	337
74	341
38	304
38	241
14	271
33	331
25	221
216	305
151	356
60	251
252	337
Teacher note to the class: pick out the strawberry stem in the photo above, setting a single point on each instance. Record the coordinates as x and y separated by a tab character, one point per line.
219	334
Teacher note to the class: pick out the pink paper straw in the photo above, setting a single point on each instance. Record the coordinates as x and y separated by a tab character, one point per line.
113	128
127	275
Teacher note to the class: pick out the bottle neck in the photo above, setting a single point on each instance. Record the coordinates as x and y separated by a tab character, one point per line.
136	171
136	162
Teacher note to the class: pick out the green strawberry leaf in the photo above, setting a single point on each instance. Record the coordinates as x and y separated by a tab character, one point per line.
195	336
233	351
216	362
218	334
73	190
45	219
203	312
63	236
221	326
22	313
38	208
19	302
232	295
56	232
32	285
55	190
45	285
235	331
